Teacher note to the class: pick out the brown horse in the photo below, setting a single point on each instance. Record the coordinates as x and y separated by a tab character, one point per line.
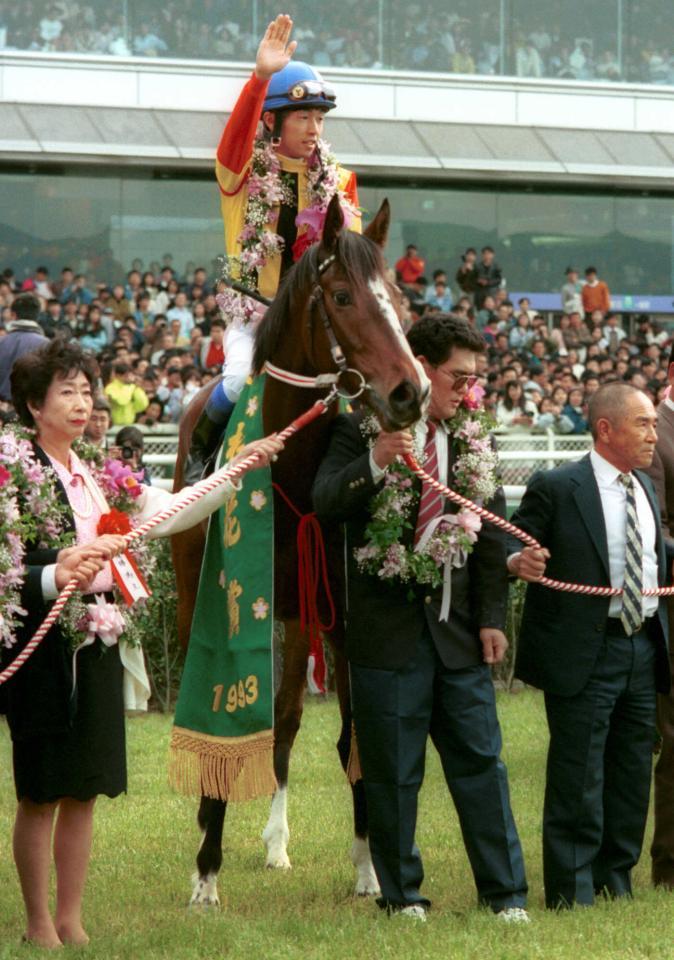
362	310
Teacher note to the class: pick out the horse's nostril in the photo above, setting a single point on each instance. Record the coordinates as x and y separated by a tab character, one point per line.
403	396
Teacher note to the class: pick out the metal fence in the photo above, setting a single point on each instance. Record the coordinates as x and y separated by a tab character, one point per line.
520	454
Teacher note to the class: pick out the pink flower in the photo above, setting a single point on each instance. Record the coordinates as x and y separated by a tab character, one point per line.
106	621
474	397
469	522
5	476
123	478
313	218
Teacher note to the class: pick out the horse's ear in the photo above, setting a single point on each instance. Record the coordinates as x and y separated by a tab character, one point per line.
333	226
378	229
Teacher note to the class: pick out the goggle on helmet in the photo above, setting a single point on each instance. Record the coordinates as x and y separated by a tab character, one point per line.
298	85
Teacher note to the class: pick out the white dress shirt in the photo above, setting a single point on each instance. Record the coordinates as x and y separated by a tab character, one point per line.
613	501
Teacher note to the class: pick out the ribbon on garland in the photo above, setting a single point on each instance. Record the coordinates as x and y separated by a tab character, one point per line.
457	559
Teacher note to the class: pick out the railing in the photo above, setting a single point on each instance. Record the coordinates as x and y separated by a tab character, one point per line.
520	454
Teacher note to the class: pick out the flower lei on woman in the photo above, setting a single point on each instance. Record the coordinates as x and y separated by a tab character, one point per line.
31	512
475	473
28	512
268	187
121	488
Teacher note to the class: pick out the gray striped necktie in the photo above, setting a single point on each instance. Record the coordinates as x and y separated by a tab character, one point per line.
631	614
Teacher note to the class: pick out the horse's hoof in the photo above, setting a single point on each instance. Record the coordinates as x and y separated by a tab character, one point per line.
205	893
277	860
367	884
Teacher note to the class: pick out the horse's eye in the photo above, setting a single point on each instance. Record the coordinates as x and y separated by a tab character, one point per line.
342	298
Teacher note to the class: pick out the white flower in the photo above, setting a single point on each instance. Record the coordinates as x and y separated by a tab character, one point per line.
260	609
252	406
258	499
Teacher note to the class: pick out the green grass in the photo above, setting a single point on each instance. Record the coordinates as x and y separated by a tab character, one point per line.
145	846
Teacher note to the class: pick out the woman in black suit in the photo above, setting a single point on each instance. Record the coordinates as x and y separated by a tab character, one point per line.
68	735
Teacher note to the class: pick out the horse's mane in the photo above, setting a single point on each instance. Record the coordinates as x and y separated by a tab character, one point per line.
359	258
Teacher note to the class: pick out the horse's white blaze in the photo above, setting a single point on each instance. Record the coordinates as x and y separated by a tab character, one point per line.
205	891
276	834
381	295
366	879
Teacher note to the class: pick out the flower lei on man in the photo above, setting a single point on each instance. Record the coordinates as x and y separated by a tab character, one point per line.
268	187
31	512
475	471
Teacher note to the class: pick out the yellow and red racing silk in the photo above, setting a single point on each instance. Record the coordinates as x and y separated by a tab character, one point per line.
232	166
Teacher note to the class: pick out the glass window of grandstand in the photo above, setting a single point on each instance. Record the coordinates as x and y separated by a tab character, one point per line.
536	236
102	226
602	41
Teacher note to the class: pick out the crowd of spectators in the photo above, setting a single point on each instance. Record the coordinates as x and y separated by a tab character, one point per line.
575	42
539	375
158	337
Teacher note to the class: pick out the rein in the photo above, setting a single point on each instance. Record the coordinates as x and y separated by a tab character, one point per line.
525	538
187	497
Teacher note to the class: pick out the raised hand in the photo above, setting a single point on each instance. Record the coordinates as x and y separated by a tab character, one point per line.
276	48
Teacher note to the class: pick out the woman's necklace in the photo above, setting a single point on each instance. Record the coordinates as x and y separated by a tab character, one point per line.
88	508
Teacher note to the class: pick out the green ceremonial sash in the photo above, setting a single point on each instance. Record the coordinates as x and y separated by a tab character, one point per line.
222	741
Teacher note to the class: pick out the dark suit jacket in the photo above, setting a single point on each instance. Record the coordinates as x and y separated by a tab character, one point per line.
37	699
561	633
384	621
661	470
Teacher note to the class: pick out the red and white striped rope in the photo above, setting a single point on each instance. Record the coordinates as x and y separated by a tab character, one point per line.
188	496
525	538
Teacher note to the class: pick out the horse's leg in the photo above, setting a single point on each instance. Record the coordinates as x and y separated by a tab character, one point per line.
211	818
366	879
288	707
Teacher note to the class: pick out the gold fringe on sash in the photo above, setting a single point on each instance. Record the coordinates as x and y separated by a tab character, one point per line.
353	770
224	768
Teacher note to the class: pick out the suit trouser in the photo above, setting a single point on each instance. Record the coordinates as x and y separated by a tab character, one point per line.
598	774
662	849
394	712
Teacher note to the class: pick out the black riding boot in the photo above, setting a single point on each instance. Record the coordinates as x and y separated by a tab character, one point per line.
203	447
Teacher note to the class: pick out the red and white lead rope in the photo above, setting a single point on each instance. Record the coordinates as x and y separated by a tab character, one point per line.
525	538
187	497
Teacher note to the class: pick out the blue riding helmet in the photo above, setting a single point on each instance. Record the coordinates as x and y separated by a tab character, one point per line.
299	86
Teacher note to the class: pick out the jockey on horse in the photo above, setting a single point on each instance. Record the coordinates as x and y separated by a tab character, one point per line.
274	196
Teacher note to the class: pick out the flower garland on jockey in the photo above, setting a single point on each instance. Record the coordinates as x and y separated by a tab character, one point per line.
451	541
267	188
31	511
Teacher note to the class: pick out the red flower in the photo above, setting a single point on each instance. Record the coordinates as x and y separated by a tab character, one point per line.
114	522
303	242
5	475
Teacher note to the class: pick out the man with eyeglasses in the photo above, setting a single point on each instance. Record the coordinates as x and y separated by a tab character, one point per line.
272	147
418	669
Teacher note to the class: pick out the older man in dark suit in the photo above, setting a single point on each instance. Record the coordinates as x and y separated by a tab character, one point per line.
661	473
599	660
414	673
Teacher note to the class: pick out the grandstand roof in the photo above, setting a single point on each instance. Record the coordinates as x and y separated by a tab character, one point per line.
392	147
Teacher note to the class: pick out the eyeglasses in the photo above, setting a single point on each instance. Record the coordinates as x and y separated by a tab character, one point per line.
461	381
311	88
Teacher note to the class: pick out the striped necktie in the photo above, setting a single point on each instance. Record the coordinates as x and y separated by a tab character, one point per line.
432	503
631	614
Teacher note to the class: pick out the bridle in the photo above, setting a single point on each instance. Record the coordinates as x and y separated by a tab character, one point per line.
322	381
